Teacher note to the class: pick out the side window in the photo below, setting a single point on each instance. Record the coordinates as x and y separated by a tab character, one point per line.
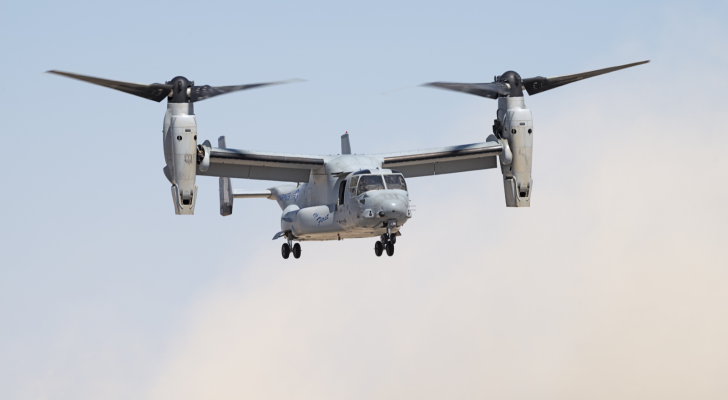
352	185
370	182
342	190
395	182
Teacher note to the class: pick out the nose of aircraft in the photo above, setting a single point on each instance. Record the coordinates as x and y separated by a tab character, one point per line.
394	208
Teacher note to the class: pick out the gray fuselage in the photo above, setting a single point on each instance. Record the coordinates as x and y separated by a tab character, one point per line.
344	199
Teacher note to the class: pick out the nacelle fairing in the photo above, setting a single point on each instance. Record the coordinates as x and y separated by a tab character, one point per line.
180	154
514	129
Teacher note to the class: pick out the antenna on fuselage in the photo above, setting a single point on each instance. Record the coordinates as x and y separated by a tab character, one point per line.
345	145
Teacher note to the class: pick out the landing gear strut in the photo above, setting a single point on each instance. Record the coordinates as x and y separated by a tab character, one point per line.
388	238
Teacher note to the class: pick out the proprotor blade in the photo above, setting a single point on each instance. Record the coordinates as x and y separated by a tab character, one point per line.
155	91
540	84
199	93
490	90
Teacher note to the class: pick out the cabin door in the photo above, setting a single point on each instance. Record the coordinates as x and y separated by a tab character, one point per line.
342	192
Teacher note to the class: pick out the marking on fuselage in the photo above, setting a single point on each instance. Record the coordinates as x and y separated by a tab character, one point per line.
320	219
288	196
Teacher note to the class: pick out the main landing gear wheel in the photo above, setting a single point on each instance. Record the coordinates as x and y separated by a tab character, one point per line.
286	250
390	249
393	238
378	249
297	250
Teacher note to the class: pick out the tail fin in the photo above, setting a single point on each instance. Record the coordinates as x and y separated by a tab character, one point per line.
345	145
226	188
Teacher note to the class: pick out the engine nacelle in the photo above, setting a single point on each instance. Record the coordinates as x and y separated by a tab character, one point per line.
180	153
516	135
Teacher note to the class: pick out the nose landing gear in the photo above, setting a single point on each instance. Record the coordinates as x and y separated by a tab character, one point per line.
390	249
386	242
378	248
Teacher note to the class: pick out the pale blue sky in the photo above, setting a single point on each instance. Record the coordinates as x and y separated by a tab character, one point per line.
103	290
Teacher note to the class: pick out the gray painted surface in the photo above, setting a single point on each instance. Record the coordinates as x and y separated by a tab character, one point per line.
226	187
258	194
323	205
345	144
258	173
516	165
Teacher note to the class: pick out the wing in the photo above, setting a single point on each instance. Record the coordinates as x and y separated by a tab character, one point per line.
444	160
260	165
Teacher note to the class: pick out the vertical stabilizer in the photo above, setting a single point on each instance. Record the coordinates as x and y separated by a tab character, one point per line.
226	188
345	145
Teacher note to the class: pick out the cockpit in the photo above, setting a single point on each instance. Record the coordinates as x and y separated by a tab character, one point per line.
365	181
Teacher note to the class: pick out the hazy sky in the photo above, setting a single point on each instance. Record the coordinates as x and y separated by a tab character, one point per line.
612	285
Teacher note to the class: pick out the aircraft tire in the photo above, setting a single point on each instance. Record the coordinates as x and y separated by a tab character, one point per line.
297	250
378	249
390	249
285	250
393	238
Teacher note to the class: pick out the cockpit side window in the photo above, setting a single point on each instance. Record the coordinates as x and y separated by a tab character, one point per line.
395	182
370	182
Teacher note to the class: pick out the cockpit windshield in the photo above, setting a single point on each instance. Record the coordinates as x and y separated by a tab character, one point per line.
370	182
395	182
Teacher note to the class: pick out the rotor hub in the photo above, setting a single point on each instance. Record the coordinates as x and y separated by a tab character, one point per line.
514	82
180	86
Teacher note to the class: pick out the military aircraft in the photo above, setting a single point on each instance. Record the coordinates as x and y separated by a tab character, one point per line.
348	195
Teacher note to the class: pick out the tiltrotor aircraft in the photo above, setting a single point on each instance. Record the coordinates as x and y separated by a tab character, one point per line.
343	196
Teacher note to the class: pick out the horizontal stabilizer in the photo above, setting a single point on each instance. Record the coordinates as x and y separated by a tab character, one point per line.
258	194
